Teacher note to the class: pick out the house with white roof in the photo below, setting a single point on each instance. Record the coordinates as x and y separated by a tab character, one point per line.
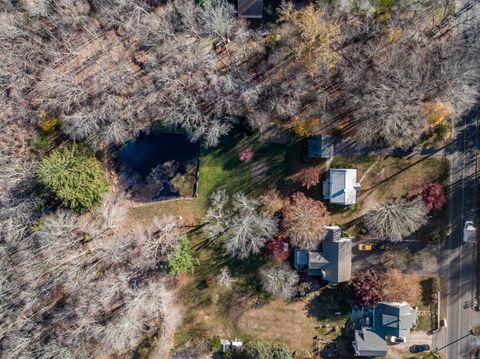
341	186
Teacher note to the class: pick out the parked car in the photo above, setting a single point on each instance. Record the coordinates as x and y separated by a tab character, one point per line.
365	247
368	247
469	232
418	348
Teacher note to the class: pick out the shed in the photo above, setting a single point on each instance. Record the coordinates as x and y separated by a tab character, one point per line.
250	9
320	146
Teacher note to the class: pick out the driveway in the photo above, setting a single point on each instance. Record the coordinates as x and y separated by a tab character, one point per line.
400	351
418	257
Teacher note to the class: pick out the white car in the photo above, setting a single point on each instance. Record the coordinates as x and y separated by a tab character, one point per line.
469	232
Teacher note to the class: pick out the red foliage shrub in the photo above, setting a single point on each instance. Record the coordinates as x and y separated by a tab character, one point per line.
246	155
433	196
367	287
276	251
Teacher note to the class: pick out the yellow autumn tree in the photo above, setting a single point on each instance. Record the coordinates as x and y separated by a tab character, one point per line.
437	112
305	127
311	36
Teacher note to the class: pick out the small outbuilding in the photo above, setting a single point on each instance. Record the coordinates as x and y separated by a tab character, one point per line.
250	9
341	186
320	146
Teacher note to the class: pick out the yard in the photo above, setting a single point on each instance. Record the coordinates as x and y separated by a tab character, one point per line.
244	311
383	178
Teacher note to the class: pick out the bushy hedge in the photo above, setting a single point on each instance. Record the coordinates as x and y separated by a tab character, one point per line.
264	350
74	176
181	260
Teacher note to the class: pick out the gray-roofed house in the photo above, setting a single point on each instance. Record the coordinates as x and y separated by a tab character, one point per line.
389	320
250	9
368	343
320	146
341	186
332	261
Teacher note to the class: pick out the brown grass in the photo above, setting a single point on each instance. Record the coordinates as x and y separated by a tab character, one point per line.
280	322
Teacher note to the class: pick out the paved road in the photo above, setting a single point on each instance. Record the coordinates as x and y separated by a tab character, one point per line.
457	259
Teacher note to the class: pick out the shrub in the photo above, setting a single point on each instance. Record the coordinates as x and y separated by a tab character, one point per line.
181	259
264	350
367	287
281	352
433	196
259	350
183	184
74	177
276	251
215	345
308	177
246	155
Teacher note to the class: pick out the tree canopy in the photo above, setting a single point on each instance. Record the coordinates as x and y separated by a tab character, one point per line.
74	177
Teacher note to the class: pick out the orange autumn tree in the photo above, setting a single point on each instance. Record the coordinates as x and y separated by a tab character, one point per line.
308	177
304	220
399	287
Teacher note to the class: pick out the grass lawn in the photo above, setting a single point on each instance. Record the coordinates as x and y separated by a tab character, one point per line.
208	309
220	168
244	311
427	303
383	178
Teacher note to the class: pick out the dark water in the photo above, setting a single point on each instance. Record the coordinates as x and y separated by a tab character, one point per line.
150	162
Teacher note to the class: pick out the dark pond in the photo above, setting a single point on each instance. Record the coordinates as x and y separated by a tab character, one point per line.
158	166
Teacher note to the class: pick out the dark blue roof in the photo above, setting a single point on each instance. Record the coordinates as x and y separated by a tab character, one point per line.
320	146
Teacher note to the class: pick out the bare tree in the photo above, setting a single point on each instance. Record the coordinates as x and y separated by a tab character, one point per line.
218	216
281	281
224	278
249	230
217	19
113	209
397	219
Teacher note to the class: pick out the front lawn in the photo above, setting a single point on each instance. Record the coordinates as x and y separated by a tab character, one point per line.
383	178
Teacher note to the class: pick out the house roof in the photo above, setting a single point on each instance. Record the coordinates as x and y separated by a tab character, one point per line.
339	254
341	186
389	319
369	343
320	146
394	319
252	9
333	262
